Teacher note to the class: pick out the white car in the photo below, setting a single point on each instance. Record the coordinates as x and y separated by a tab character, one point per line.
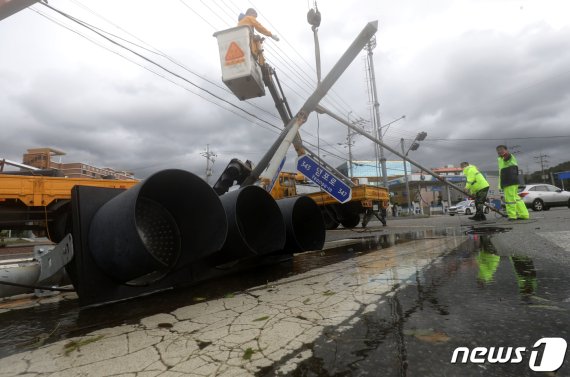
466	207
541	197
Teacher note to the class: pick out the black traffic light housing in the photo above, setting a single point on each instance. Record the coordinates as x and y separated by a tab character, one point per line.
133	242
235	173
173	230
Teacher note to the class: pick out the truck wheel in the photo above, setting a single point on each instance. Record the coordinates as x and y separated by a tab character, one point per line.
350	221
330	223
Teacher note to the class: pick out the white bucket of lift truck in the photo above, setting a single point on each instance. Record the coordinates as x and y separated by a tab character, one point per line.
240	72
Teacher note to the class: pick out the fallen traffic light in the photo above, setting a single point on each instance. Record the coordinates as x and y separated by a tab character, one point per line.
133	242
255	225
304	224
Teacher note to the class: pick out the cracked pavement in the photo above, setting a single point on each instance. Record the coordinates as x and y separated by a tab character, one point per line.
265	327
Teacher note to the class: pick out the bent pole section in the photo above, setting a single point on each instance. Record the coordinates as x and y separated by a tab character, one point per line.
323	110
278	150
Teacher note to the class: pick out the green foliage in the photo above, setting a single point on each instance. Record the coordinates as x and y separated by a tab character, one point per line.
536	177
77	344
248	354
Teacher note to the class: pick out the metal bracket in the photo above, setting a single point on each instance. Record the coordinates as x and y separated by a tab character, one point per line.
52	259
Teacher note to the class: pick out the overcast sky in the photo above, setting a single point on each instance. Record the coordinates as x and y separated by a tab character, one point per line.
466	72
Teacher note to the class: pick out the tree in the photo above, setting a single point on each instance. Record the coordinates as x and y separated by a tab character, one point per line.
536	177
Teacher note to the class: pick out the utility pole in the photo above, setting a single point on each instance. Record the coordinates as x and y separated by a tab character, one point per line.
406	176
210	158
542	160
376	114
349	142
414	146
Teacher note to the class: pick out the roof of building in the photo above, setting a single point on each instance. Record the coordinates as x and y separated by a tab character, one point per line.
51	151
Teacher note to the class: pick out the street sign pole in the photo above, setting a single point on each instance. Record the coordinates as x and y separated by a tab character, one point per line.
323	110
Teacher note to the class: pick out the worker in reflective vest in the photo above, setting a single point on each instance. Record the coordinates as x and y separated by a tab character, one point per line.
478	187
250	19
509	183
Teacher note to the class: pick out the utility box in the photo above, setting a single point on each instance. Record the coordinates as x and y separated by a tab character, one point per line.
240	71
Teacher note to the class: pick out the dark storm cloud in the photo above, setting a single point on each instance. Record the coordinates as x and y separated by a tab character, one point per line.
487	84
130	125
479	84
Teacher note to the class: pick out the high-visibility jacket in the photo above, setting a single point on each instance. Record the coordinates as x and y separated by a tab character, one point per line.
475	180
488	264
508	171
252	21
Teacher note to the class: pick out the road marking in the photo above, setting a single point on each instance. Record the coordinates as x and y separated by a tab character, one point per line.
561	239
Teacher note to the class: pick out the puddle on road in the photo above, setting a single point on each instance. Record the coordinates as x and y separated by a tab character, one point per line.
487	230
26	329
472	297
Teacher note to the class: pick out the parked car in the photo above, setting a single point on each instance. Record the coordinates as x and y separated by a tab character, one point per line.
542	197
466	207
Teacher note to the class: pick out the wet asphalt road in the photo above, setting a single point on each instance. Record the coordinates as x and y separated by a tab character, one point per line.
505	289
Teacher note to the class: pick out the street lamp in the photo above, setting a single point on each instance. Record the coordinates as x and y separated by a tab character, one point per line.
386	126
349	142
414	146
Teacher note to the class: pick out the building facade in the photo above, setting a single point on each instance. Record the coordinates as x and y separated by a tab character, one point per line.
369	172
43	158
430	192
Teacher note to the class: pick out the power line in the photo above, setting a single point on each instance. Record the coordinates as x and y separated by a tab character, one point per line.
499	138
95	30
154	63
332	91
226	11
159	75
164	55
198	14
292	69
215	13
300	96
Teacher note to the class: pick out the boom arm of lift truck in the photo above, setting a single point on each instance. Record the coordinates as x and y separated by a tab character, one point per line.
246	78
10	7
241	73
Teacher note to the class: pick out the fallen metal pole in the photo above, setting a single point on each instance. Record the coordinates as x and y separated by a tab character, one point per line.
278	150
323	110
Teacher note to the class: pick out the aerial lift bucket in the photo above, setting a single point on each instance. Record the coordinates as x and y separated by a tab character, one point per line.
240	71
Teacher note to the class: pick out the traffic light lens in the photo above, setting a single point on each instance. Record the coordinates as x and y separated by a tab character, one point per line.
158	231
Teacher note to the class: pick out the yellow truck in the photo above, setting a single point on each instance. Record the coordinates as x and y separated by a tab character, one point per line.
42	204
367	201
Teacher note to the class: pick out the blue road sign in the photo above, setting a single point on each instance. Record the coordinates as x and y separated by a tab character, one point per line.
322	177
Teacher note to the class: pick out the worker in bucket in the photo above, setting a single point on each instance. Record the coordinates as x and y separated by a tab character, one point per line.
250	19
478	187
509	183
